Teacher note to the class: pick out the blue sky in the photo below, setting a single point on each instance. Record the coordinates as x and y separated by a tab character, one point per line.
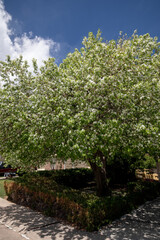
64	23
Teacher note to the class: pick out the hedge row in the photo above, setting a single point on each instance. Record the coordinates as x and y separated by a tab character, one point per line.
79	208
74	178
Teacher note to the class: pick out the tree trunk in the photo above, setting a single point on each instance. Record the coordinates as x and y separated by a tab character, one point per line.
101	179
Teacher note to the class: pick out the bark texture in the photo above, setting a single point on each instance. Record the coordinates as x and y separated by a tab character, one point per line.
100	178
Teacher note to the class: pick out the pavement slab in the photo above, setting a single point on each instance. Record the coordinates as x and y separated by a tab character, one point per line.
34	225
141	224
9	234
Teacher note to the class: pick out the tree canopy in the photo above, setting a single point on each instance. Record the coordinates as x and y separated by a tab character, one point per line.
114	96
29	108
102	101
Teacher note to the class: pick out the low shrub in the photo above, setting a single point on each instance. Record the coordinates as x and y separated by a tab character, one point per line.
74	178
41	191
143	190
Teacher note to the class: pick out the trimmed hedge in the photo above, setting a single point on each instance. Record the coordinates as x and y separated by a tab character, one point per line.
74	178
43	193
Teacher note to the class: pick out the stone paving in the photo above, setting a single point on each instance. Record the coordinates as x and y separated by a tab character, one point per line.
141	224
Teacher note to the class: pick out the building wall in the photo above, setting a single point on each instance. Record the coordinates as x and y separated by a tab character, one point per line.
56	165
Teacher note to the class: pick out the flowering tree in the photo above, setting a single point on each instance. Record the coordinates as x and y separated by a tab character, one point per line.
113	100
102	101
29	110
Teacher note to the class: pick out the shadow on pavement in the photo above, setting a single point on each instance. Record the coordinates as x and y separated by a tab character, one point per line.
34	225
143	223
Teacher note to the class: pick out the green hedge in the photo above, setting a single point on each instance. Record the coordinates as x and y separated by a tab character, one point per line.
40	191
74	178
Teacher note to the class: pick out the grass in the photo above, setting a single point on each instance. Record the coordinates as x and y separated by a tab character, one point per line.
2	191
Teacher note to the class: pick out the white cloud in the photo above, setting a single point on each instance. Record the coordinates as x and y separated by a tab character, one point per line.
26	45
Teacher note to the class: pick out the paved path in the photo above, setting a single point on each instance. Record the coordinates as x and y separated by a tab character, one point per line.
141	224
9	234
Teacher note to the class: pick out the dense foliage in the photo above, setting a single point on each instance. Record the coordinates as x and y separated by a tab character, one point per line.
74	178
101	102
42	192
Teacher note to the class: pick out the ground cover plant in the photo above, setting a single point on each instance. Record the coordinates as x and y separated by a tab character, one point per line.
50	193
